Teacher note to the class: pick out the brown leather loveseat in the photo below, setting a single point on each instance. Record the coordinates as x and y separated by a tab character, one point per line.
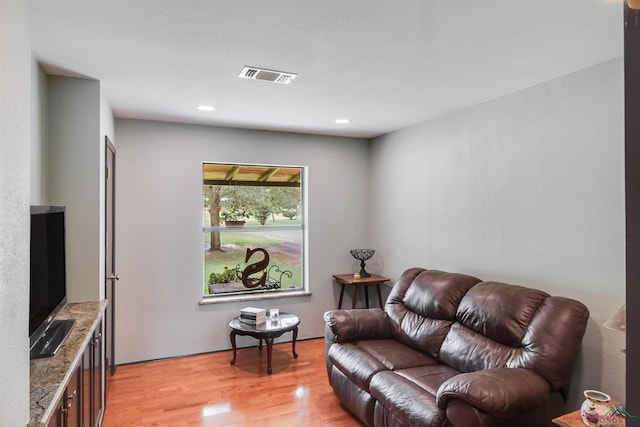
452	350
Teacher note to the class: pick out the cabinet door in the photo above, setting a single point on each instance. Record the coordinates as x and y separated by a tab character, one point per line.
97	388
87	376
57	418
68	410
72	397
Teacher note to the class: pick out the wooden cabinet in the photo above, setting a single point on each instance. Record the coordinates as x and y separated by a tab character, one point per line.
57	418
98	369
93	394
68	409
86	386
72	396
92	389
81	402
67	390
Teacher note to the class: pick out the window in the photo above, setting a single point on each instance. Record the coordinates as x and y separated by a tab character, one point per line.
253	229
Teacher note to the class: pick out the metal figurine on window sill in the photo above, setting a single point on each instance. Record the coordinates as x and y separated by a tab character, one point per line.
239	275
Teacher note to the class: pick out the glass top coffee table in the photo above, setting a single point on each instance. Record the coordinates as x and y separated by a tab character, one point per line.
267	331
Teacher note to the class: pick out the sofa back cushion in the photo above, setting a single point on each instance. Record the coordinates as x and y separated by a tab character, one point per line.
492	320
499	311
552	341
422	306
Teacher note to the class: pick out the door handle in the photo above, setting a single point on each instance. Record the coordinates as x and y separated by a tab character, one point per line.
114	277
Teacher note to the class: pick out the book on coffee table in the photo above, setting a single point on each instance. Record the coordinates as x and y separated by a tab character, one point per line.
253	316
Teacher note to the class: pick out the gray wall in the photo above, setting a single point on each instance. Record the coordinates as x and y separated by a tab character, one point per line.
528	189
15	131
76	120
39	128
159	230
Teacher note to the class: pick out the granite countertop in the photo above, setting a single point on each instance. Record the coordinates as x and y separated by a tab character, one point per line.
49	376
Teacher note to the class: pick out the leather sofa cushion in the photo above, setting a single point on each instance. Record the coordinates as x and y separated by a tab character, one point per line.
395	355
468	351
500	392
423	305
429	378
549	349
436	294
406	400
354	325
359	401
354	363
361	360
499	311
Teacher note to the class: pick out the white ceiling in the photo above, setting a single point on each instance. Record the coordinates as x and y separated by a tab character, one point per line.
383	64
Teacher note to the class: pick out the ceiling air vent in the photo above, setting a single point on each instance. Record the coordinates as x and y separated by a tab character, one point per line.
267	75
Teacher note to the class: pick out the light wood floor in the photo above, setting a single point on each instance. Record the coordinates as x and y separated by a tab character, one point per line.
205	390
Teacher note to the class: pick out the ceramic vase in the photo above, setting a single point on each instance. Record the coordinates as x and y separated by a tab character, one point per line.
594	406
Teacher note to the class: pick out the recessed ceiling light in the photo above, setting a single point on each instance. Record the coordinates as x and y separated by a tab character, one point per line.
342	121
205	108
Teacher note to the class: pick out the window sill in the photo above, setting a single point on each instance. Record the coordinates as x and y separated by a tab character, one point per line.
241	298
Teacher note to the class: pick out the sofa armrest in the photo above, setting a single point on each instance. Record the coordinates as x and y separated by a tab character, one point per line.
356	325
501	392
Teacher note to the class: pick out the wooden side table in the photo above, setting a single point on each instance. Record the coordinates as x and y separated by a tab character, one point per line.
347	279
574	419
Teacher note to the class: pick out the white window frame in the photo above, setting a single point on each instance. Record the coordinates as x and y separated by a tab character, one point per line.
250	295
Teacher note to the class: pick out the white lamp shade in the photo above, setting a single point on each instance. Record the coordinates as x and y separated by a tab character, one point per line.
618	321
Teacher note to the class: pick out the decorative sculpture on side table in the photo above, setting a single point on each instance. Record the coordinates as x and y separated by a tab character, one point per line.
362	255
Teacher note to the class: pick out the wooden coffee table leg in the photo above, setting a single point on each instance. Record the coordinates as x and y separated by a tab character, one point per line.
232	337
269	349
293	342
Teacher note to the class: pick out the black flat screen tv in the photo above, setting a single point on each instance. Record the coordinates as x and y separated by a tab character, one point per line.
48	289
